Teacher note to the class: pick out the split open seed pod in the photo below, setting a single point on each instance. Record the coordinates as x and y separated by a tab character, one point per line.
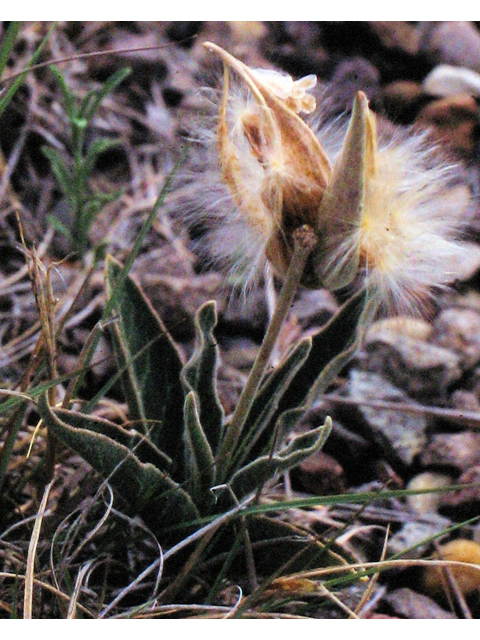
272	162
280	176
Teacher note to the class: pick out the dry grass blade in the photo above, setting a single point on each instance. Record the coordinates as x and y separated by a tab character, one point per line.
331	596
72	607
32	551
48	587
373	581
452	588
211	527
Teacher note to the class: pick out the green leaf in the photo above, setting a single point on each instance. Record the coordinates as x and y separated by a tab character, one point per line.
16	83
263	469
67	94
94	98
7	44
143	346
200	374
98	147
199	460
59	226
137	443
259	427
332	347
150	492
61	171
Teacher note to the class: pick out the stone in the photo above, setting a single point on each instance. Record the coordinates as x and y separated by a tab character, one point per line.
458	450
321	474
427	502
452	120
467	499
458	329
413	539
416	606
400	434
314	307
397	35
447	80
420	368
451	42
403	99
467	578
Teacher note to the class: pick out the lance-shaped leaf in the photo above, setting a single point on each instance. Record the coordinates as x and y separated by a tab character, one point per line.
138	444
331	348
335	341
200	374
263	469
199	460
152	365
258	431
150	492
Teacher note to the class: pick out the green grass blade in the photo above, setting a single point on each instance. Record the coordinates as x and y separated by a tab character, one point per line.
13	88
8	43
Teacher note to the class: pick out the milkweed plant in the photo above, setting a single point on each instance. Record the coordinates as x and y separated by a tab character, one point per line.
368	217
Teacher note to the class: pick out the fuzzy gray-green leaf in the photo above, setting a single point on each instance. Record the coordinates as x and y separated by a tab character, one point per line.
137	443
149	491
263	469
257	437
199	460
200	374
334	342
152	363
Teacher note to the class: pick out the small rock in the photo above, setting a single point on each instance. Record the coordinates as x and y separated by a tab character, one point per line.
397	35
458	450
314	307
451	42
400	434
414	537
321	474
418	367
452	120
464	400
177	299
350	76
445	80
467	499
404	325
403	100
416	606
239	352
458	329
466	578
427	502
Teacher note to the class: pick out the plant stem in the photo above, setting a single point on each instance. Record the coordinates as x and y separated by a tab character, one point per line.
304	242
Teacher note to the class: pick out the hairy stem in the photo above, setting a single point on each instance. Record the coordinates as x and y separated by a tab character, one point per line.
304	242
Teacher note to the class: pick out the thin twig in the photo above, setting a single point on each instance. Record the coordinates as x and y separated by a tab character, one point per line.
470	419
